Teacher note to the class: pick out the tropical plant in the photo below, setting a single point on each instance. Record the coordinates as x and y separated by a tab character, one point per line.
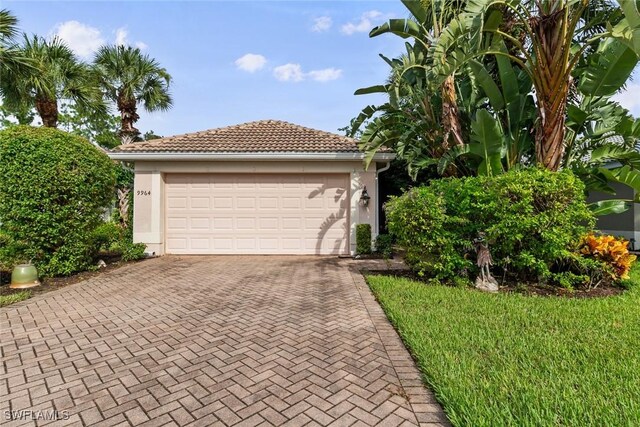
129	78
612	251
56	74
418	121
11	59
556	42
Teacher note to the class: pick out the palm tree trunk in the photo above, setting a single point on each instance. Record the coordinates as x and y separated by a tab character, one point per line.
450	114
552	84
123	206
128	117
48	111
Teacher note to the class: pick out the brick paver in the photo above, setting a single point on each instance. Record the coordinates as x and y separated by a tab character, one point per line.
211	341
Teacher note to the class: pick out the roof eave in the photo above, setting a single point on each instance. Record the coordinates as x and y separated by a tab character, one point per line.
261	156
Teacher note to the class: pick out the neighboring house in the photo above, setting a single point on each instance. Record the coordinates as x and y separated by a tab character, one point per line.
265	187
626	224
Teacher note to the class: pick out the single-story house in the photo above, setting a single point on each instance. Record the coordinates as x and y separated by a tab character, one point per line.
264	187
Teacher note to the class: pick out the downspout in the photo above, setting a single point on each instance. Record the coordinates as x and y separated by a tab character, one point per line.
386	167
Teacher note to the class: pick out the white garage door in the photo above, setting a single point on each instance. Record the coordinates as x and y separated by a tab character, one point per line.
257	214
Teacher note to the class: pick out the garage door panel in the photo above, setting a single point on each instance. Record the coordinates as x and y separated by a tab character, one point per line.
222	224
245	202
246	213
246	224
196	203
177	223
269	224
175	202
200	223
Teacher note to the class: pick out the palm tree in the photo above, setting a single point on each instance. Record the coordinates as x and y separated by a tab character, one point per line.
550	40
8	31
128	77
55	74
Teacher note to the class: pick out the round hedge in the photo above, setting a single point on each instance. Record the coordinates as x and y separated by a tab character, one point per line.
534	221
54	188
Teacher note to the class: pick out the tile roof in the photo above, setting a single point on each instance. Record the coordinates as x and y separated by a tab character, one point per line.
265	136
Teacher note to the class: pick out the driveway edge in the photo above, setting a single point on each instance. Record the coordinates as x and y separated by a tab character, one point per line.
422	400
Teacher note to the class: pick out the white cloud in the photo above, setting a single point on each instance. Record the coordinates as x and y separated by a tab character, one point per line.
363	25
121	37
289	72
251	62
321	24
82	39
325	75
294	73
629	98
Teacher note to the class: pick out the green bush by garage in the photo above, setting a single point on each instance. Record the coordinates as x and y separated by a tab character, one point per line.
533	219
55	188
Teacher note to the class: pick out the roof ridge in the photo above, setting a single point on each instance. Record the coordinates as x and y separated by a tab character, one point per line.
267	135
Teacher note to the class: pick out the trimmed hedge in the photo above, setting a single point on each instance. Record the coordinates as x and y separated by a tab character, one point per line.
55	187
363	239
533	219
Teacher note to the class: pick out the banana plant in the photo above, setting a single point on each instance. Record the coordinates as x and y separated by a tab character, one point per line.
488	146
548	39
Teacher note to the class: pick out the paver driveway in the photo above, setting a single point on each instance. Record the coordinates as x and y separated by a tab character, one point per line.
211	341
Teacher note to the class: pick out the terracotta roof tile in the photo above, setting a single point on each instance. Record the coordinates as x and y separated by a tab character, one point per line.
262	136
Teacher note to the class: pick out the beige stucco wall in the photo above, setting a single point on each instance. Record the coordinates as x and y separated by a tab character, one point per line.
148	214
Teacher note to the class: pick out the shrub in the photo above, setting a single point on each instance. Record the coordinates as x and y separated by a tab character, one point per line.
384	245
54	189
106	235
363	239
133	251
533	220
612	251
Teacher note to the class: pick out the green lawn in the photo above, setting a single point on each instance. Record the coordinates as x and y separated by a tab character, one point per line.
496	360
10	299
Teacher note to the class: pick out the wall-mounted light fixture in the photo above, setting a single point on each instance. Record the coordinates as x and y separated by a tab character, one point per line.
364	197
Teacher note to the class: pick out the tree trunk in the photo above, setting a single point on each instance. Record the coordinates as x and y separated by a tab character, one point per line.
450	114
128	117
128	135
48	112
552	87
123	206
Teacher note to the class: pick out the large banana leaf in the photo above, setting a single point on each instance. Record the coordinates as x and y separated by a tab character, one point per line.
373	89
612	152
609	207
405	28
628	29
488	85
608	70
488	146
416	9
627	176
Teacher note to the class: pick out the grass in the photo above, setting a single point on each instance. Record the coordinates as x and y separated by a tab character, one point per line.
13	298
509	359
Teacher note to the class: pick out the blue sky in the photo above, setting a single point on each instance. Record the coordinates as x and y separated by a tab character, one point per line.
238	61
306	57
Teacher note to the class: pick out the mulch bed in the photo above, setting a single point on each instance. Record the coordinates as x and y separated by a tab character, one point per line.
532	289
54	283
